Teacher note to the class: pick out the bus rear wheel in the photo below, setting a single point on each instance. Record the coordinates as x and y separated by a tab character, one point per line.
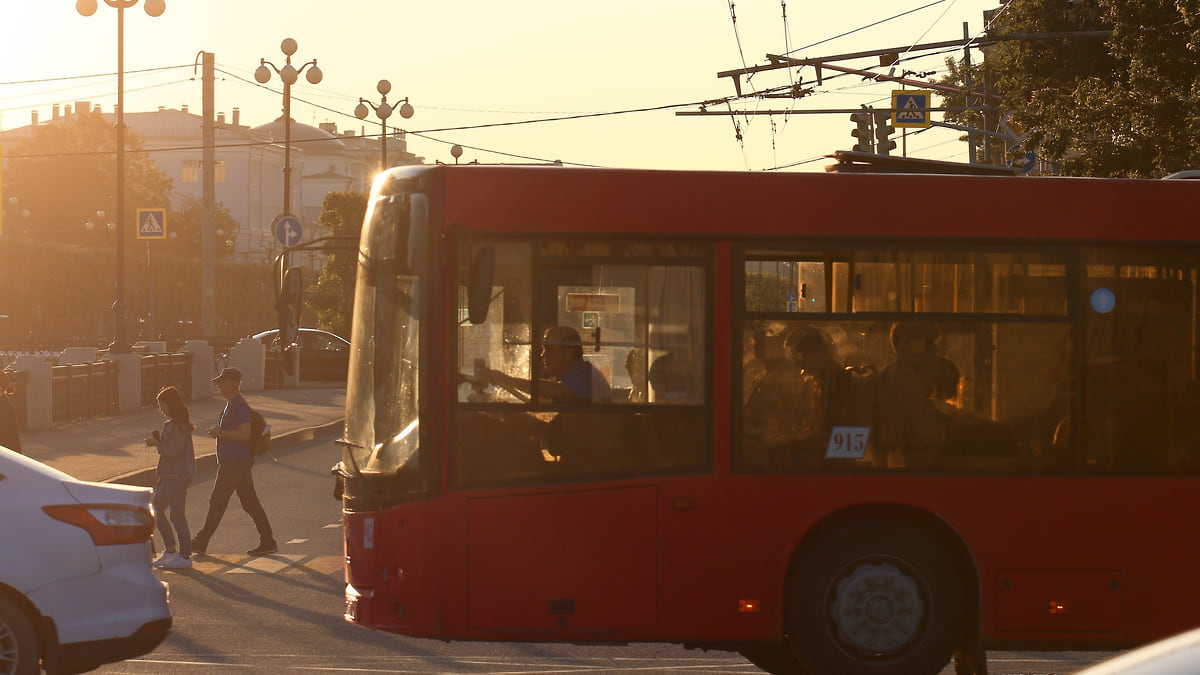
874	598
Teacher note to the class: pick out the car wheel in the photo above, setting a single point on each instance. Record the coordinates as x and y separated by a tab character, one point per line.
875	598
18	641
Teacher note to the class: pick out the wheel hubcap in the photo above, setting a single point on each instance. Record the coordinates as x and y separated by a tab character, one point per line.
877	609
9	650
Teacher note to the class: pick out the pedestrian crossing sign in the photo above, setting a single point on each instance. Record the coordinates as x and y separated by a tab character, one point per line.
152	223
910	108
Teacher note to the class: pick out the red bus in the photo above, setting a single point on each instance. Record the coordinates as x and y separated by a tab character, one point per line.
838	423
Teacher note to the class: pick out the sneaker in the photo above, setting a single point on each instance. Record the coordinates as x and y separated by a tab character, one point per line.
165	558
178	563
198	548
263	549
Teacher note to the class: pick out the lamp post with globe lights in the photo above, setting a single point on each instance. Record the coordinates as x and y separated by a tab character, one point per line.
383	110
120	343
289	74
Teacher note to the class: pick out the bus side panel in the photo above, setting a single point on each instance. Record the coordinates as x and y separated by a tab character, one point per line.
724	553
537	569
1087	571
1089	567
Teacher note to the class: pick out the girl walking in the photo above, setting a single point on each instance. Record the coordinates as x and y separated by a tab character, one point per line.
176	466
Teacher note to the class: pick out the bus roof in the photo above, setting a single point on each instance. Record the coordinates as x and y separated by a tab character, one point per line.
652	202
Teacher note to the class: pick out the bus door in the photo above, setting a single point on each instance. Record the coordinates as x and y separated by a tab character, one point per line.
559	419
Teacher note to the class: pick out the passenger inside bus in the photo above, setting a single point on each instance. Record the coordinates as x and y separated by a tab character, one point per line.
669	378
569	378
918	393
923	421
670	438
813	351
778	404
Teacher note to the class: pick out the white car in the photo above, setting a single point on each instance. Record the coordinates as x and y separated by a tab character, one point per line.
76	586
1177	655
323	355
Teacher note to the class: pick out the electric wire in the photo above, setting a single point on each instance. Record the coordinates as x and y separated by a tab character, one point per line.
870	25
935	22
93	75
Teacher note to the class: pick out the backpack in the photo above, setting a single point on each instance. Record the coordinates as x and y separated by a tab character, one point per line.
260	434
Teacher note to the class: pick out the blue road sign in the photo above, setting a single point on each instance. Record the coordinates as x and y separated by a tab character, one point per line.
288	230
911	108
152	223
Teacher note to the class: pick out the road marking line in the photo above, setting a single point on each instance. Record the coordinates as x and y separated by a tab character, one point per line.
290	563
269	564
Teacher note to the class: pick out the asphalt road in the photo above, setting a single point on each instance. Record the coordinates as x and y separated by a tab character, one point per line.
282	614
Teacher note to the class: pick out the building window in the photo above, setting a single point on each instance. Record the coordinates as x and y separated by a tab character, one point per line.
191	171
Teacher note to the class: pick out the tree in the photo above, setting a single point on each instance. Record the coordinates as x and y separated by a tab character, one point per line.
332	296
187	219
766	292
1122	104
65	174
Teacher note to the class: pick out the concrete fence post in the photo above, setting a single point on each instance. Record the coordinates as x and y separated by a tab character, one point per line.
250	357
129	381
202	368
38	400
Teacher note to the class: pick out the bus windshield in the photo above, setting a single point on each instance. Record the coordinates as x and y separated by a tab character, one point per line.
382	425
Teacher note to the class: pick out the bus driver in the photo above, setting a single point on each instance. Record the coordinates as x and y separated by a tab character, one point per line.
568	376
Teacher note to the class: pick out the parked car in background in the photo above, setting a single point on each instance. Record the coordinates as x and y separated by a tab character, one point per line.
324	356
76	586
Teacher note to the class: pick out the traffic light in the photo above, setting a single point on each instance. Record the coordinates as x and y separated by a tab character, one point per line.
863	132
883	129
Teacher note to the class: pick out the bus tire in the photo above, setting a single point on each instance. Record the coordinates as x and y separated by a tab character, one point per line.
18	641
874	598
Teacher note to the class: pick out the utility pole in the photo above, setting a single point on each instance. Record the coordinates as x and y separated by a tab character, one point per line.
967	73
208	296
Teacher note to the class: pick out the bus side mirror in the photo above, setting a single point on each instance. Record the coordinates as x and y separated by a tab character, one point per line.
479	282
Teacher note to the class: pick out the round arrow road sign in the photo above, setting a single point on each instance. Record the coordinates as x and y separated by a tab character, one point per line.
287	229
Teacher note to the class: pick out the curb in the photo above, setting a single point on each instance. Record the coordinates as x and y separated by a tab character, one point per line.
286	441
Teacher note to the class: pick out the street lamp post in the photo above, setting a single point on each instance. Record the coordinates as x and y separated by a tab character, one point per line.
383	111
288	74
120	343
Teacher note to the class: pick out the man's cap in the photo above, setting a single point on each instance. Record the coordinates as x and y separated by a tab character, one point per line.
230	374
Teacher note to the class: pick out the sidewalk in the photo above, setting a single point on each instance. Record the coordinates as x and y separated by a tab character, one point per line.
111	449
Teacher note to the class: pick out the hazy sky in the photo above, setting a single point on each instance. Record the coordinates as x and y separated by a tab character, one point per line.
467	63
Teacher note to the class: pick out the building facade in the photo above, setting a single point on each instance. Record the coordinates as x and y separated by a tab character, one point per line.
249	166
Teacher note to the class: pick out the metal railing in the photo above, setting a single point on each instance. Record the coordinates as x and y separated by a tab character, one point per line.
83	391
162	370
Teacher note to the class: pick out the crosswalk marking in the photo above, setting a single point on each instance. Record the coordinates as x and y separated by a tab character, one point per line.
278	563
269	564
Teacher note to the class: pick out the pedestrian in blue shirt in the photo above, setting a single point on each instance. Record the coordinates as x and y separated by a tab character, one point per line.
234	464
